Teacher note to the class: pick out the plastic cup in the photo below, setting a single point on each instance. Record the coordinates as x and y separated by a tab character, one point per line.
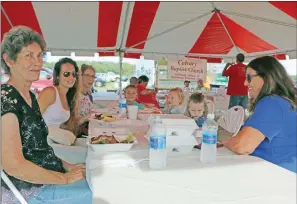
132	112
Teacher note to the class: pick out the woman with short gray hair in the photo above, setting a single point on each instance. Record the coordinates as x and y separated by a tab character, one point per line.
27	159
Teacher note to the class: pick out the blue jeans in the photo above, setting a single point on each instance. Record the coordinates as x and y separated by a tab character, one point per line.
75	193
238	101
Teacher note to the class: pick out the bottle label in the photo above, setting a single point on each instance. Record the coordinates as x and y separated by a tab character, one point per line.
158	142
209	138
123	105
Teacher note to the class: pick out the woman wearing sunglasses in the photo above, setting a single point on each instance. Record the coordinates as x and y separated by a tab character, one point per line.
270	131
59	104
27	159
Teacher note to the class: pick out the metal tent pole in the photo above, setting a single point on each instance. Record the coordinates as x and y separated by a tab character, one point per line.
121	53
260	19
7	17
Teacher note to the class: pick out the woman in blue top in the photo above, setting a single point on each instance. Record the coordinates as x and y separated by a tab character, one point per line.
270	131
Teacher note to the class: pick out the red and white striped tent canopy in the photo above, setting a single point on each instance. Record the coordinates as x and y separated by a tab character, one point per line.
214	30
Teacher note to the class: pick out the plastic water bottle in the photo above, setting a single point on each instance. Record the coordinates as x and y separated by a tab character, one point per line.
158	152
123	105
209	140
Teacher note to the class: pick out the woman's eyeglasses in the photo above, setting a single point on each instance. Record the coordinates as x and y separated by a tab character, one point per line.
249	77
89	76
67	74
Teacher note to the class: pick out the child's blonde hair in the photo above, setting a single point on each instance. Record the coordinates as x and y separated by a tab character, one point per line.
197	98
180	94
131	86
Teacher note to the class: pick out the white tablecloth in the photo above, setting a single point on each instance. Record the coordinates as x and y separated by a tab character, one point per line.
121	178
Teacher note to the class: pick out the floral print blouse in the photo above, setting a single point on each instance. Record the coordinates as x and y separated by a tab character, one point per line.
85	105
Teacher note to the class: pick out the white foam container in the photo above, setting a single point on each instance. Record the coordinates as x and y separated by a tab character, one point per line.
180	133
119	133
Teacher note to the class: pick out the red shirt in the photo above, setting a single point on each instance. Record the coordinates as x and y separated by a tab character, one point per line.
236	76
146	99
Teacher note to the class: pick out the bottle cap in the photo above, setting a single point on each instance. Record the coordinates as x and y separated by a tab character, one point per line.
210	116
158	119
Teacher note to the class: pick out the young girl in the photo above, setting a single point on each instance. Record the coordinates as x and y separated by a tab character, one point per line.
175	102
131	96
197	108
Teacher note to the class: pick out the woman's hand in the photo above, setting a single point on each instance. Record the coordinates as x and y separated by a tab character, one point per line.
84	119
76	174
70	167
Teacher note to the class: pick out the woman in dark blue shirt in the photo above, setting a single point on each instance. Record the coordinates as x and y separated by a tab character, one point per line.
270	131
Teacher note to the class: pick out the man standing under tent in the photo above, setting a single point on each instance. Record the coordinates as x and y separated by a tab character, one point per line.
236	89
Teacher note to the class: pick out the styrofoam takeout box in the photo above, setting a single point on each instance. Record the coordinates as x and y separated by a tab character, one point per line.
120	133
180	138
176	124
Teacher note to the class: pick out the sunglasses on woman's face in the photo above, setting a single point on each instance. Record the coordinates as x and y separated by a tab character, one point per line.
249	77
67	74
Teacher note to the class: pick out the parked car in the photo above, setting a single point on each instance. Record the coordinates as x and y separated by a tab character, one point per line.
112	77
99	82
102	76
45	75
48	70
4	78
124	78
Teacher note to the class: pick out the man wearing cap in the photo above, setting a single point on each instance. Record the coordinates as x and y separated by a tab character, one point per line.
236	89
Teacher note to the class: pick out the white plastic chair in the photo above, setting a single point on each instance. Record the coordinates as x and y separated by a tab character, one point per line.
221	91
210	106
14	190
232	119
221	102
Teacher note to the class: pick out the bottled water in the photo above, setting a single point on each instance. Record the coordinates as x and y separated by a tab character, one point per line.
209	140
123	105
158	152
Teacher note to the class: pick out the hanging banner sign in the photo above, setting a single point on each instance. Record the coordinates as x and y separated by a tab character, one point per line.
186	68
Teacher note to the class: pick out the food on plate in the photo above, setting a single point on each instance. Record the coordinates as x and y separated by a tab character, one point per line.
103	139
106	139
150	111
105	117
